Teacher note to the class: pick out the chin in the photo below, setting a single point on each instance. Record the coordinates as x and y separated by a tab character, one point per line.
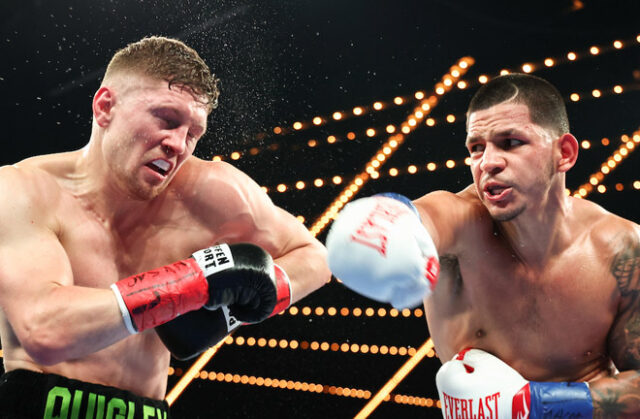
504	215
147	193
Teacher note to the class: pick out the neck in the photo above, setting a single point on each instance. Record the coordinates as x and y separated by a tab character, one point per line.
541	232
93	184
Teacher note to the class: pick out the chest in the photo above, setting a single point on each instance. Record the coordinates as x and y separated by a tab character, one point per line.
576	282
100	254
490	299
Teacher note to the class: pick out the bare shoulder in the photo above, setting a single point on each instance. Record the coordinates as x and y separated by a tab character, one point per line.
452	208
27	183
617	241
607	231
29	194
215	179
451	217
218	188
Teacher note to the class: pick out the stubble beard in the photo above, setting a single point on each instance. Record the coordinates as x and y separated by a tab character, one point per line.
509	215
546	176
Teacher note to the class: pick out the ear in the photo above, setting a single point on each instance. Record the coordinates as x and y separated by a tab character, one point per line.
568	147
102	106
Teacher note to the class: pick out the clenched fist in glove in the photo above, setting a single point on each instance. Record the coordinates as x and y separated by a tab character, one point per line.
379	248
476	384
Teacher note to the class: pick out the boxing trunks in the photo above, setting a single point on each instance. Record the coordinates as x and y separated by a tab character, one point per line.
27	394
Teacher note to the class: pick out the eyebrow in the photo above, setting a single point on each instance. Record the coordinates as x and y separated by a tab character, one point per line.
177	113
504	133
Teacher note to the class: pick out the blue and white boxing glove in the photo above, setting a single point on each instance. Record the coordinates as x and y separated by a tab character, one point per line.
476	384
379	248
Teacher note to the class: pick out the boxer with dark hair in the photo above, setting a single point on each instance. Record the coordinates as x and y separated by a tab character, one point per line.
536	308
116	254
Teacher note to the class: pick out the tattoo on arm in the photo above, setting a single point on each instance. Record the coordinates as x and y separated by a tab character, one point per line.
619	398
625	268
621	394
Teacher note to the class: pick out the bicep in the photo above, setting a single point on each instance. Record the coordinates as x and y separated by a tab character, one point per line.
256	219
276	230
32	263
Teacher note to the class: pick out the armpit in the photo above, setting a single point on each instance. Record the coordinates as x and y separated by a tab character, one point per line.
450	269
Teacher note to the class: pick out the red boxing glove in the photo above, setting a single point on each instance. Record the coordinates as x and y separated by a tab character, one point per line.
240	276
159	295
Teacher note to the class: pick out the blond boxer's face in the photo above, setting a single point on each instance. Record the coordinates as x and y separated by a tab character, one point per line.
152	132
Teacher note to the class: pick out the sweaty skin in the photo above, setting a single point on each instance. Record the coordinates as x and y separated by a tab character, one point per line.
79	221
546	282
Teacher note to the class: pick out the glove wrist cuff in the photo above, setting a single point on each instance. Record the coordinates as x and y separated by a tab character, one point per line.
283	289
548	400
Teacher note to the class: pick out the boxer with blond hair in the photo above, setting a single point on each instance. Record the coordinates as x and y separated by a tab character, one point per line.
114	255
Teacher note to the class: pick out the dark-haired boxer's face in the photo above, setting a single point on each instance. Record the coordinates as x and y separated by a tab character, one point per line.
511	159
152	132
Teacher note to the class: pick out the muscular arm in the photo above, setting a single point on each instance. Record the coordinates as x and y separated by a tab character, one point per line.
250	216
53	319
446	216
620	395
302	256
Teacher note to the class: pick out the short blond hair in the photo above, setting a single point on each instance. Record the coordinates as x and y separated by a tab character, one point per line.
167	59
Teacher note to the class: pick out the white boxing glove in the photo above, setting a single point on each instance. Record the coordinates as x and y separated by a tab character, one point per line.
476	384
379	248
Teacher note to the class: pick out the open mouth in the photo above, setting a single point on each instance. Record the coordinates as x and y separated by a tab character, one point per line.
495	190
160	166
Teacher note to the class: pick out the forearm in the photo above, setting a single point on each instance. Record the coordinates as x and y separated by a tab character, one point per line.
617	396
306	267
70	322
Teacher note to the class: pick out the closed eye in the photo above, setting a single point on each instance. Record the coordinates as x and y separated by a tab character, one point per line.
169	123
192	136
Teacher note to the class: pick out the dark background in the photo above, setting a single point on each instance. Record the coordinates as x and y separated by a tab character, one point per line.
286	61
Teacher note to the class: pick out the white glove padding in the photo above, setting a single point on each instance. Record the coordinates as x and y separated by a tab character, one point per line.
477	384
379	248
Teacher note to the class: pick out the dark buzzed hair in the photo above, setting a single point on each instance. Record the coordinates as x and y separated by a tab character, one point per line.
171	60
545	103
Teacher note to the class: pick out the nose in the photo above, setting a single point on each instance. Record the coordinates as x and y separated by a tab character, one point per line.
492	159
175	143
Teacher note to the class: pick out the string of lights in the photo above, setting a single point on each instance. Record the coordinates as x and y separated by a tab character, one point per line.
285	384
394	141
529	67
569	57
411	169
399	375
461	84
346	347
355	312
343	115
371	133
192	372
595	180
374	133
